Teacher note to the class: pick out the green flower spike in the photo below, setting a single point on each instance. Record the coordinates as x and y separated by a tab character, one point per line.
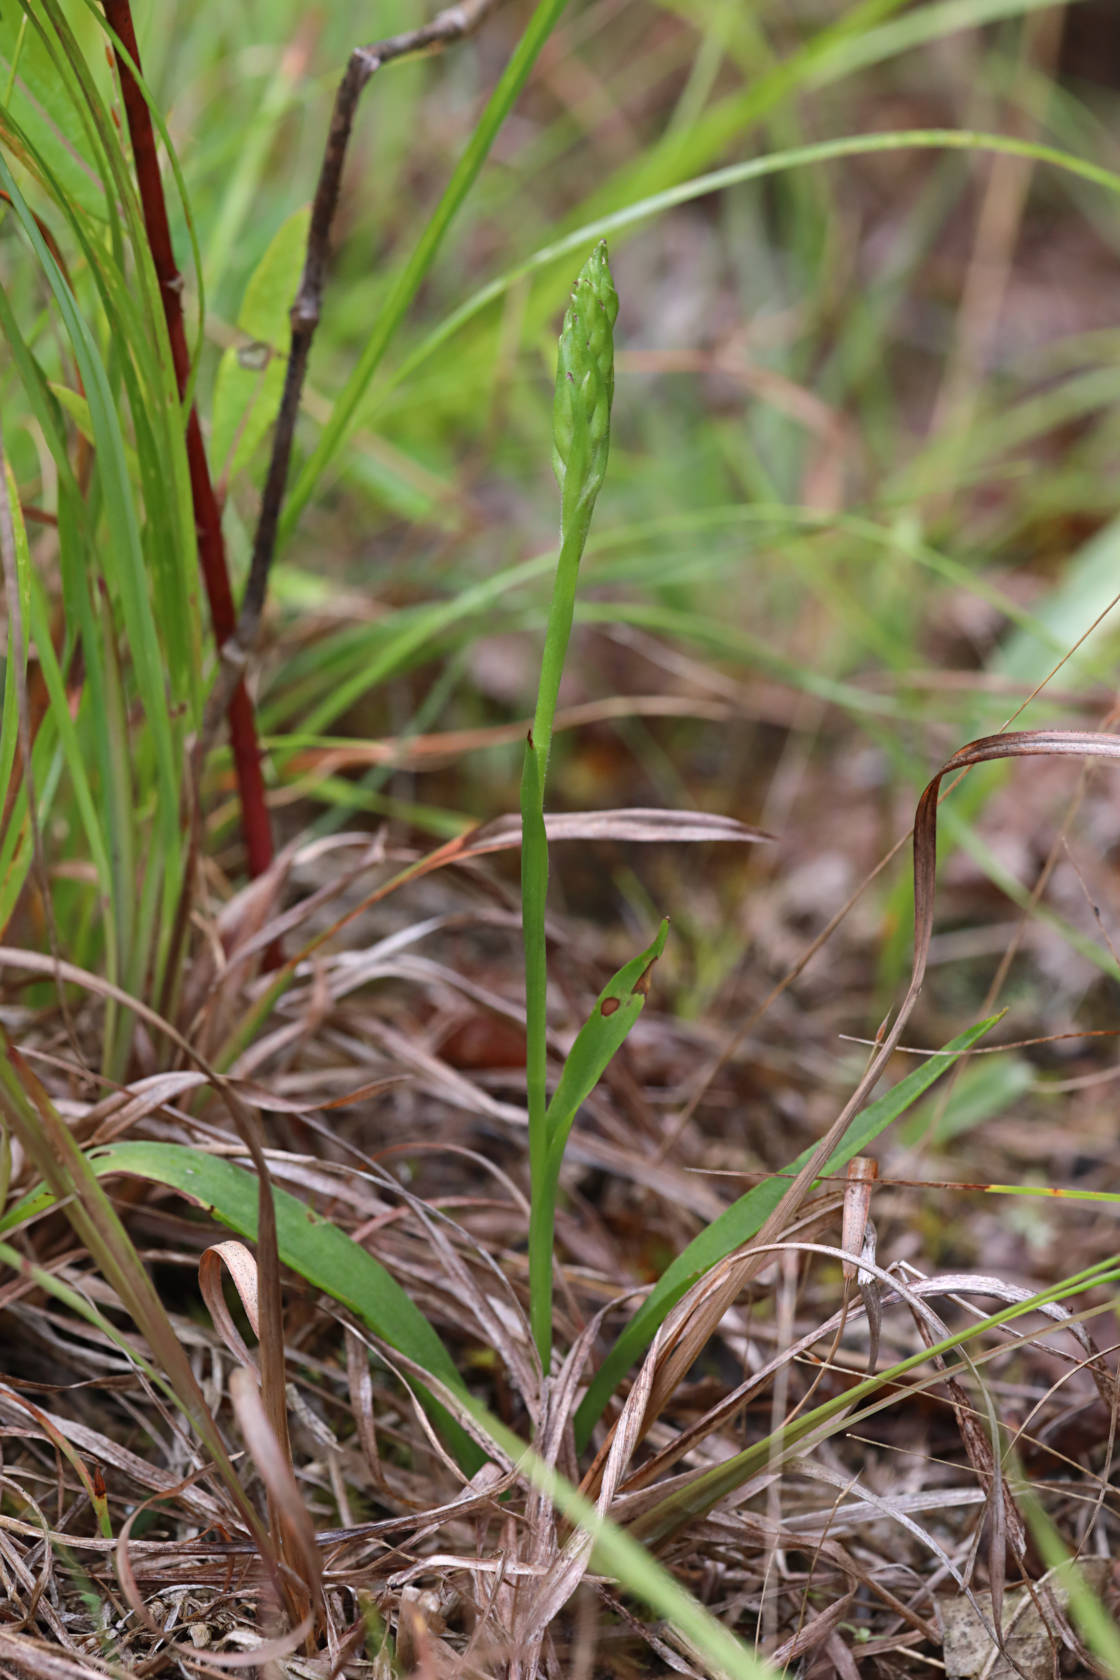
584	388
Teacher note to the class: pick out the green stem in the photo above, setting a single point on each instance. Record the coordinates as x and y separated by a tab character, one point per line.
542	1201
581	432
557	635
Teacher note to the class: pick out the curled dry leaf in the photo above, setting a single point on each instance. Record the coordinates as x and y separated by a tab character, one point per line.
234	1258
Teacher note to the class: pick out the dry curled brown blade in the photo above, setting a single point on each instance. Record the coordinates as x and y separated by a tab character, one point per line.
234	1259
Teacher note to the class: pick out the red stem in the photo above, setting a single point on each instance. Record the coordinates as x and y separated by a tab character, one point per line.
255	824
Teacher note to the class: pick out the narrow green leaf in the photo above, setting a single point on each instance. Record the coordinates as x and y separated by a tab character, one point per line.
1094	1621
75	406
15	662
122	518
740	1222
39	87
616	1009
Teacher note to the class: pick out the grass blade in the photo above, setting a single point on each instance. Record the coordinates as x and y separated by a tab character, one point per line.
640	210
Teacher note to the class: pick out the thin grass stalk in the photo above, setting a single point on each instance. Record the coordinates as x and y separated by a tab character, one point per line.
255	821
581	442
15	568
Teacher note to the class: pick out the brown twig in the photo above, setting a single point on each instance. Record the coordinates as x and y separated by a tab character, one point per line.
255	822
444	30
